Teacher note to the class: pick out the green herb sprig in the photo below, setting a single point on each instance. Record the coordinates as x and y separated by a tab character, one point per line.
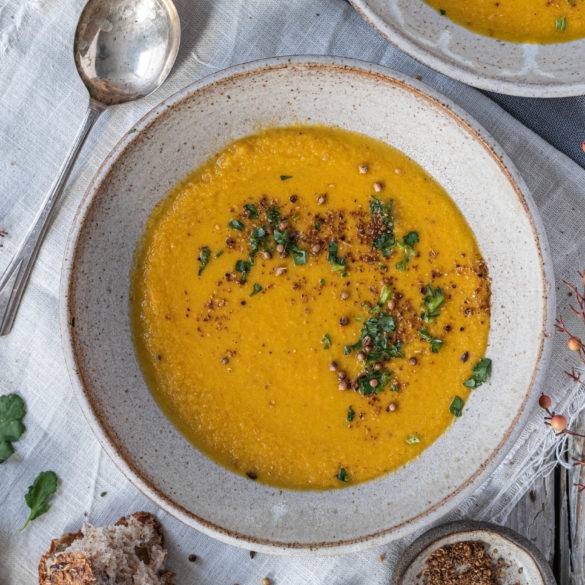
480	374
251	211
12	411
384	225
350	414
338	264
236	224
456	406
342	475
38	495
204	258
435	342
432	303
406	245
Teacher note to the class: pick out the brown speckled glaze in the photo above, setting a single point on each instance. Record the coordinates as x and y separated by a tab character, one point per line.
183	132
530	70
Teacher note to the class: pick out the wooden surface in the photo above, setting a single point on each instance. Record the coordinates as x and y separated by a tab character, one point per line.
552	516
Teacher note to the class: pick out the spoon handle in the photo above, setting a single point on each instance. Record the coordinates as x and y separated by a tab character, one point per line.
26	254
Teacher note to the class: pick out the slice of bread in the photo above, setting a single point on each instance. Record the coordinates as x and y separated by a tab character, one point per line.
129	552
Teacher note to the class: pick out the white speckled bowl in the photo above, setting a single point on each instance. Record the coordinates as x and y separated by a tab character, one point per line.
183	132
529	70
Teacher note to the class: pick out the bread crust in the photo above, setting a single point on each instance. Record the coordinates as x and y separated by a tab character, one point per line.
57	567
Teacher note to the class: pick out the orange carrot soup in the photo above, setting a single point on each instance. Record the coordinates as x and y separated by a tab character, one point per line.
522	21
310	308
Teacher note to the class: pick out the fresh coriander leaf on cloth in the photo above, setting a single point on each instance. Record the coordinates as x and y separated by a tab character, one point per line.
12	411
38	495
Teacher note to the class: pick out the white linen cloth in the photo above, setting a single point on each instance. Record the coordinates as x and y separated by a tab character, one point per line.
42	102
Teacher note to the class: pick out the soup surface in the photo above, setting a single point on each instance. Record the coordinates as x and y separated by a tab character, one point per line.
307	307
523	21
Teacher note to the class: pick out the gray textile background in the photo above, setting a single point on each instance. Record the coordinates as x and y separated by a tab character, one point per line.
41	106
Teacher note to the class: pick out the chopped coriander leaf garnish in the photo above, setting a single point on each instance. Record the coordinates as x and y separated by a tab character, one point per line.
38	495
413	439
12	411
350	414
251	211
432	302
318	224
338	264
285	177
204	258
342	474
480	374
322	282
103	494
243	268
236	224
561	23
256	288
284	239
375	338
406	245
436	343
273	216
326	341
372	381
219	253
346	350
257	239
382	226
442	11
385	295
456	406
299	256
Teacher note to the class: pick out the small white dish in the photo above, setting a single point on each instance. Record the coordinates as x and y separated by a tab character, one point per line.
524	563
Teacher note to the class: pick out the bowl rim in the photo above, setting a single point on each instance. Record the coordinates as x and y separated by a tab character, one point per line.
395	36
465	528
116	452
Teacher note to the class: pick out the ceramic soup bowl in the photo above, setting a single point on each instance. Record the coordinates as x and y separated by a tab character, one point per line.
530	70
179	135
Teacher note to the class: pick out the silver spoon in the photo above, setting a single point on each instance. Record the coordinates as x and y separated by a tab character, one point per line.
124	50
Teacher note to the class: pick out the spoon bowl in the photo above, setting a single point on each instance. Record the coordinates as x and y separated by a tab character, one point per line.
125	49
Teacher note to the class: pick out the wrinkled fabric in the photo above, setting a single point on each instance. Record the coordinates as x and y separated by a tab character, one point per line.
42	103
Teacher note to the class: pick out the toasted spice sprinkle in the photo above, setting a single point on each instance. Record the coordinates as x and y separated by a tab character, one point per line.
463	563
